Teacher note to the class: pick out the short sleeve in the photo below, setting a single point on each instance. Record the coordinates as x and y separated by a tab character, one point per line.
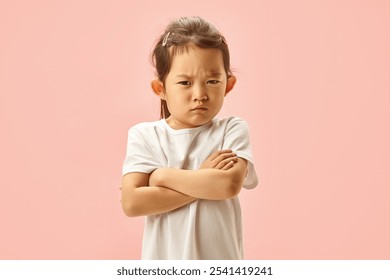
139	154
237	139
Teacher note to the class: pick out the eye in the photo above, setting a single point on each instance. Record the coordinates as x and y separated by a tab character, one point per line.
213	82
184	83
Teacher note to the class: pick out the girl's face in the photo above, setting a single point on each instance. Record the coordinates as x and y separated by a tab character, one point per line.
195	87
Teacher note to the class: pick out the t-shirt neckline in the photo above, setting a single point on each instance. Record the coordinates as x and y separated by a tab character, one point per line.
185	130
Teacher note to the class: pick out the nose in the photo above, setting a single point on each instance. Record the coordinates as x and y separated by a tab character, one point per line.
200	94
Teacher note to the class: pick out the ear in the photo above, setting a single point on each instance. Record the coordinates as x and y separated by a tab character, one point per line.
158	88
230	84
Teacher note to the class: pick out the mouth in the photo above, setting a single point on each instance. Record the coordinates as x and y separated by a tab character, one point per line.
199	108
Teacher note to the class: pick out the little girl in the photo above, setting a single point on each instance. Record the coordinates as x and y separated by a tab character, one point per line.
184	172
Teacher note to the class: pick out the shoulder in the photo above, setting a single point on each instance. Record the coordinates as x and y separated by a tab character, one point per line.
231	123
145	127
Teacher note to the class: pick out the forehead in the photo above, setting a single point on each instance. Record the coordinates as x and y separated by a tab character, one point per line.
193	59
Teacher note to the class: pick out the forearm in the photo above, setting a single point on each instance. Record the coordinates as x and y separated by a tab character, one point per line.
212	184
151	200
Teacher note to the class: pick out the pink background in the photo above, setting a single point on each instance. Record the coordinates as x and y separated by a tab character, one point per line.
313	83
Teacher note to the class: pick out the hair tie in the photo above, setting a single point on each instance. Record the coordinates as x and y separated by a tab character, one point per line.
165	39
223	40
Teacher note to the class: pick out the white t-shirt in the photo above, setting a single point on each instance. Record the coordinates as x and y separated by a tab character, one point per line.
203	229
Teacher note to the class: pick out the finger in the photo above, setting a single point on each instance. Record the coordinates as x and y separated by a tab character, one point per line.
229	165
218	153
220	165
225	156
225	162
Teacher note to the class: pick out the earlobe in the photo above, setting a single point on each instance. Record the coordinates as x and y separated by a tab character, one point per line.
158	88
230	84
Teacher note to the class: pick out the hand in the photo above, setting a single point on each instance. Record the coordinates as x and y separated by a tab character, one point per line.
223	159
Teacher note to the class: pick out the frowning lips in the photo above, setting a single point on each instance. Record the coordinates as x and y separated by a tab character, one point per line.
200	108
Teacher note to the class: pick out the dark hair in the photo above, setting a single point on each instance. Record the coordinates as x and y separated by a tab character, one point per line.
177	37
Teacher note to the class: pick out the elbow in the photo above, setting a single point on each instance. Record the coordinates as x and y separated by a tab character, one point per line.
228	186
235	178
229	189
232	187
130	209
131	202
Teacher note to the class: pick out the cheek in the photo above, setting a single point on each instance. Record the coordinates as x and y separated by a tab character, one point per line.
176	101
217	93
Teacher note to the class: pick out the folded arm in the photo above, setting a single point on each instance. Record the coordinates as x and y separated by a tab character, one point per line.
139	199
209	183
165	189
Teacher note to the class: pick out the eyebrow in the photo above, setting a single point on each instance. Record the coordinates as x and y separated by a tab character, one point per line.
210	74
183	76
215	74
